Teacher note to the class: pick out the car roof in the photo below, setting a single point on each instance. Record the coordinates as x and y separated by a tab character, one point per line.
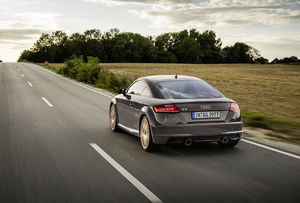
168	77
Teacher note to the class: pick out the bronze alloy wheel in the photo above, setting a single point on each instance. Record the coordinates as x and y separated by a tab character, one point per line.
145	136
145	133
113	118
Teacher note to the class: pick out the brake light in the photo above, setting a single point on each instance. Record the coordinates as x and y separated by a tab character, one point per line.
166	109
234	107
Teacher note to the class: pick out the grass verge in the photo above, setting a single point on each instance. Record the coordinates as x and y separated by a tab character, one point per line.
288	131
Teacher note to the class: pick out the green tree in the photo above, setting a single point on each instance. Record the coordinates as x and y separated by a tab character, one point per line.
287	60
58	48
262	60
164	42
165	56
240	53
205	45
290	60
188	51
276	60
132	47
210	46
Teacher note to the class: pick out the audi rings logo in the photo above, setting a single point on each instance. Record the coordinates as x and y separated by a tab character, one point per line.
205	107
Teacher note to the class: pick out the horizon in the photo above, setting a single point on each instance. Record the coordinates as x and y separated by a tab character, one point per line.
269	26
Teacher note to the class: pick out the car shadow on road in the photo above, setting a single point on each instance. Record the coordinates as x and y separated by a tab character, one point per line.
196	149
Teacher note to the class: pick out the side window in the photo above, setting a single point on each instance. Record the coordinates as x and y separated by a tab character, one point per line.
139	88
136	88
146	92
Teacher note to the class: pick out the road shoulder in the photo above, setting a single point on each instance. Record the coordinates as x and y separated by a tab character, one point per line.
260	136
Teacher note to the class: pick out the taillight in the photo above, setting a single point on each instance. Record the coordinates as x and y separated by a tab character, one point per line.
234	107
166	109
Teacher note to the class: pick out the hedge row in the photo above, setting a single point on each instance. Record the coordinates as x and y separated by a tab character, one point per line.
92	72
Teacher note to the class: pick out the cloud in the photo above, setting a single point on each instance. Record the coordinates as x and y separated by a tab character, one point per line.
15	39
214	12
19	30
18	34
224	16
269	46
142	1
263	39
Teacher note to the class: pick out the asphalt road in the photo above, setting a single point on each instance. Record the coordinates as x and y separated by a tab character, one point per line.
46	156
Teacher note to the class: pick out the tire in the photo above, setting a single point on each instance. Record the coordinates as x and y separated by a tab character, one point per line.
113	118
146	136
229	144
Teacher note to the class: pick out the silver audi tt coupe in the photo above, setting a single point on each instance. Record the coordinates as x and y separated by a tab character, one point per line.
167	109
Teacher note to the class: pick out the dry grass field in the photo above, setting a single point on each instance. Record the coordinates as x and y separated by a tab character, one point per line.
273	90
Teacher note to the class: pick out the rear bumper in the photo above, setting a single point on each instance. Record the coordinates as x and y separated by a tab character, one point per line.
198	132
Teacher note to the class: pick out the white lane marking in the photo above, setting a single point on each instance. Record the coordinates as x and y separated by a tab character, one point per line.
30	84
76	83
272	149
126	174
250	142
22	75
47	102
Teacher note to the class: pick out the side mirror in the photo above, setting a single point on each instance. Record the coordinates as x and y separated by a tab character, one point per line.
122	91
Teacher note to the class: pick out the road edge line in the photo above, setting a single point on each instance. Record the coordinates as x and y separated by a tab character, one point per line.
271	148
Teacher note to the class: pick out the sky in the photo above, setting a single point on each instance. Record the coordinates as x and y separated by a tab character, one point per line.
271	26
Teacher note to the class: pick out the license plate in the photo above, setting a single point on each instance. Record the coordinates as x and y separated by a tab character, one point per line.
207	114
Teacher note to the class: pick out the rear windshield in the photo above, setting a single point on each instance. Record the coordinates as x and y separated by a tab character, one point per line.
188	89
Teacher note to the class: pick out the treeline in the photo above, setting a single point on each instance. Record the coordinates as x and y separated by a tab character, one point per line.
115	46
286	60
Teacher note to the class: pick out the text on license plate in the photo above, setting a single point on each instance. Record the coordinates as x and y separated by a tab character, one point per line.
207	114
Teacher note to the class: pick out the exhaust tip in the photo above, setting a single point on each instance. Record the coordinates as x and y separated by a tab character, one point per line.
225	140
188	142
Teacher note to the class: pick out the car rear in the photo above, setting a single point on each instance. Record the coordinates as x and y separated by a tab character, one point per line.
196	111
